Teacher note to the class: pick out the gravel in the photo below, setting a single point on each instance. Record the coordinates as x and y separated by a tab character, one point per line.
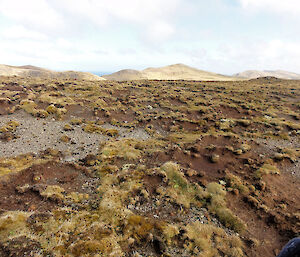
36	135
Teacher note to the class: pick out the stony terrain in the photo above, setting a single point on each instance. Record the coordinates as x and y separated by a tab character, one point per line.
148	168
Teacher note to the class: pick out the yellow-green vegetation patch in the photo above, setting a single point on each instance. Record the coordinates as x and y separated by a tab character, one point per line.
212	197
151	145
236	182
217	205
65	139
124	149
77	197
68	127
12	224
53	192
16	164
10	126
180	189
208	240
93	128
31	108
269	167
55	231
289	153
59	112
76	121
55	98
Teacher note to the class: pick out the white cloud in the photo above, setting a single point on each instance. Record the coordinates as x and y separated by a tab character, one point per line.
159	31
37	14
290	7
266	55
154	19
20	32
112	34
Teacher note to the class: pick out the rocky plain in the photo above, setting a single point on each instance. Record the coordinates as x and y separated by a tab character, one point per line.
148	167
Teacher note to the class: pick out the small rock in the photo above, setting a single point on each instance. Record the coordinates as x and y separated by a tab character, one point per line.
191	172
214	158
222	182
262	185
130	241
236	191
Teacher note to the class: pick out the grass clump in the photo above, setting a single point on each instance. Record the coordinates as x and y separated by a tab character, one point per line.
30	107
180	189
53	192
169	231
55	98
208	240
123	149
269	167
93	128
59	112
16	164
139	227
68	127
236	183
10	126
217	205
184	137
13	223
65	139
291	154
76	121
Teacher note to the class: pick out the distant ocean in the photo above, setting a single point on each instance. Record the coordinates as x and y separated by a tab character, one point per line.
100	73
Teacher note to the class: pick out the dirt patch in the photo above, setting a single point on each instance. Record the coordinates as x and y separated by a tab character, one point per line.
78	111
257	229
5	106
19	247
22	191
230	112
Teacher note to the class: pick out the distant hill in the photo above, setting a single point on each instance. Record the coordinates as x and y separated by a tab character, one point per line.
171	72
252	74
127	74
32	71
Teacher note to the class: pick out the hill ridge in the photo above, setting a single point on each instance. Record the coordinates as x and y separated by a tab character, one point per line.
281	74
177	71
33	71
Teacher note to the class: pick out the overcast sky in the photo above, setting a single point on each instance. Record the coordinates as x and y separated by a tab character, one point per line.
224	36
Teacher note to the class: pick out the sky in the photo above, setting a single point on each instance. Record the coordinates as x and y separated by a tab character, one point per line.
223	36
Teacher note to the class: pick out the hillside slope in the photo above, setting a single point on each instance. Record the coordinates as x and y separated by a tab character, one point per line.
127	74
32	71
281	74
170	72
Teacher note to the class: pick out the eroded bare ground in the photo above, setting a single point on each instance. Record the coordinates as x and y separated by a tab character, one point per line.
148	168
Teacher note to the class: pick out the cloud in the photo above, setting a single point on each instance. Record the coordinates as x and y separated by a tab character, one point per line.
289	7
107	35
153	19
20	32
36	14
271	55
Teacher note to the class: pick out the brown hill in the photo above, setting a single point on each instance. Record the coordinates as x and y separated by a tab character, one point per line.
32	71
281	74
127	74
171	72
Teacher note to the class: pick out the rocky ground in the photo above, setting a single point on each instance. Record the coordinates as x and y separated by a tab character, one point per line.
148	168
